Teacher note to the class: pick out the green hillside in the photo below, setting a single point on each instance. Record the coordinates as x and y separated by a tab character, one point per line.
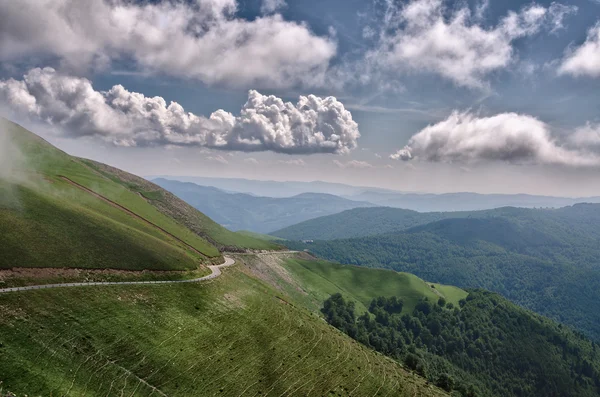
320	279
550	267
259	236
61	211
488	347
357	222
174	207
235	335
569	223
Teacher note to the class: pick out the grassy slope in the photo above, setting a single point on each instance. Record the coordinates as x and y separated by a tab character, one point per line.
232	336
259	236
47	222
313	281
324	278
52	162
172	206
42	165
49	231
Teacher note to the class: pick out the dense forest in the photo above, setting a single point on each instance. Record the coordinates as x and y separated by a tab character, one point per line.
486	346
550	267
360	222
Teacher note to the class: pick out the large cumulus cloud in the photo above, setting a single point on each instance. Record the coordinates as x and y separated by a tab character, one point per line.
312	125
509	137
202	39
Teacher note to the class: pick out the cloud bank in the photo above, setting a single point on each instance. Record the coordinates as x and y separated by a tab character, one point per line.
202	39
585	59
508	137
124	118
423	35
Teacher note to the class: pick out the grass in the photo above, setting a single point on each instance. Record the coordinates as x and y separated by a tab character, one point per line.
175	208
40	160
232	336
259	236
82	232
313	281
47	222
26	277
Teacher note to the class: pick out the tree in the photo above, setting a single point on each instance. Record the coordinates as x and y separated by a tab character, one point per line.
445	381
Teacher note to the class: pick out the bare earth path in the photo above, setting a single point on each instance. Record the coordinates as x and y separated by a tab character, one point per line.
215	269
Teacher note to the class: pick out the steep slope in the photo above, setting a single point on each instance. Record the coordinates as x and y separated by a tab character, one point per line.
488	347
311	281
59	211
233	336
238	211
174	207
552	270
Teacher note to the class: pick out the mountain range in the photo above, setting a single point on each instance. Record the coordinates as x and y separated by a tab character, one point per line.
422	202
241	211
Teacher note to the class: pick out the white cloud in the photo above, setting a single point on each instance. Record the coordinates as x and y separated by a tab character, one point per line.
296	162
265	123
251	160
509	137
586	136
422	35
585	59
202	39
557	13
402	154
352	164
481	9
218	159
270	6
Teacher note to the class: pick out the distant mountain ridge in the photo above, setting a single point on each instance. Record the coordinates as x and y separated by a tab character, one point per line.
240	211
362	222
422	202
466	201
271	188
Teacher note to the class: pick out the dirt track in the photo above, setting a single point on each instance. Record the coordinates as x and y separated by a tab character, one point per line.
215	269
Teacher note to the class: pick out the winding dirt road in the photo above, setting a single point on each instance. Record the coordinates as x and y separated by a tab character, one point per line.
215	269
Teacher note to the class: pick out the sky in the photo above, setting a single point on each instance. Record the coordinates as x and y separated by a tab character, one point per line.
414	95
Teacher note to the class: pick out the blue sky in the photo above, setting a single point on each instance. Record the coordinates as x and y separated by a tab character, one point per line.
430	95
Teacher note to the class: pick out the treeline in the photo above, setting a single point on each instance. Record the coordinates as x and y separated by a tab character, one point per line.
550	270
486	347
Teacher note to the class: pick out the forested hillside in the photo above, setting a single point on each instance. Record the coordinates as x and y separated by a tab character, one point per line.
549	264
361	222
486	346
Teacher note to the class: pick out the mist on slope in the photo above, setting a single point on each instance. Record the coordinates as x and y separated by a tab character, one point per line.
12	162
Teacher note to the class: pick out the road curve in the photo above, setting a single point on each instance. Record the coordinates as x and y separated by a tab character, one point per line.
215	269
